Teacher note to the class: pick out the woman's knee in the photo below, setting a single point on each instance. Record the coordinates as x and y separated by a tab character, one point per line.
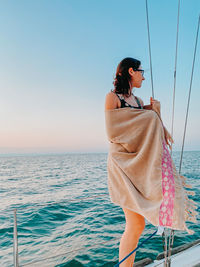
135	223
135	229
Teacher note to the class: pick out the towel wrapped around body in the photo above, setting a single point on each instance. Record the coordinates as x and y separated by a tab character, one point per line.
141	174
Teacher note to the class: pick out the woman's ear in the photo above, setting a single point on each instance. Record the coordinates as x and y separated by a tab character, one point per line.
131	71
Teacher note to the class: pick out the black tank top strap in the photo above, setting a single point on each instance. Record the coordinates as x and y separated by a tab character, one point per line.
124	104
138	102
122	100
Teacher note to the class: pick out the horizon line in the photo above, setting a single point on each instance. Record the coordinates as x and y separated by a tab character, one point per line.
70	152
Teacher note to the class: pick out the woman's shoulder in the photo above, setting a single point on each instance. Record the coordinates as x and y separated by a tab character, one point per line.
111	101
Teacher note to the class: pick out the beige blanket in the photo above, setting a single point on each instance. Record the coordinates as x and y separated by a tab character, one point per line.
137	172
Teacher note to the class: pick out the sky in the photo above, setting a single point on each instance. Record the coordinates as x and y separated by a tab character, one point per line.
59	58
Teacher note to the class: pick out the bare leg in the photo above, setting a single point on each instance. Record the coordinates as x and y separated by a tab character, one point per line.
135	224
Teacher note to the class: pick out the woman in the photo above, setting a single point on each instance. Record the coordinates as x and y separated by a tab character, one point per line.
138	140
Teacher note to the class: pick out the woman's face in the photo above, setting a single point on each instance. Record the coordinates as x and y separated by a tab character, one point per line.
136	77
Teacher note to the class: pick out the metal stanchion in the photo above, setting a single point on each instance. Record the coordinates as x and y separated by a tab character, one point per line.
15	243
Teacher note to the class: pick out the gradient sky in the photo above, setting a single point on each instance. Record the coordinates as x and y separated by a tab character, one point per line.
58	60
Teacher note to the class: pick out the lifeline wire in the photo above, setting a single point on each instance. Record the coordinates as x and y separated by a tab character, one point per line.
136	248
149	49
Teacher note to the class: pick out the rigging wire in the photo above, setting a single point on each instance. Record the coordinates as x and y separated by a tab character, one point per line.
147	14
171	237
189	94
149	42
173	105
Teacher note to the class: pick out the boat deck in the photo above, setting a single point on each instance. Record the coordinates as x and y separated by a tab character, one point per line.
187	255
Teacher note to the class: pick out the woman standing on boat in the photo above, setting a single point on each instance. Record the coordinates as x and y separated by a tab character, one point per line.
141	176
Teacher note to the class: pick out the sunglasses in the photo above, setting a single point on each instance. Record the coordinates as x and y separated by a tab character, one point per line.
142	71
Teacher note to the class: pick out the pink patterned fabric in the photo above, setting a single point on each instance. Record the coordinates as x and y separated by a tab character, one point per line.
168	188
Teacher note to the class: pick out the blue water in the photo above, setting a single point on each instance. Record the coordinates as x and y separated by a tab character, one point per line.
63	208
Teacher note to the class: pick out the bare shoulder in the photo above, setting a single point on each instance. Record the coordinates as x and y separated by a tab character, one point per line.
141	101
111	101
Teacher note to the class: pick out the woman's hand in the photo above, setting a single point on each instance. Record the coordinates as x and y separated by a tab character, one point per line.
169	140
155	104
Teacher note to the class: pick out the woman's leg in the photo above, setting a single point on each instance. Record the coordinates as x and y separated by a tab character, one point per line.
135	224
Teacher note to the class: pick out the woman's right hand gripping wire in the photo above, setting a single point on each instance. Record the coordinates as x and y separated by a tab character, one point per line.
155	104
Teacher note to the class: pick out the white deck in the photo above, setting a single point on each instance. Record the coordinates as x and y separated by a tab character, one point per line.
187	258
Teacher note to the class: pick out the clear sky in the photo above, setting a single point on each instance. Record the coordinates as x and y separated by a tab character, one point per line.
58	60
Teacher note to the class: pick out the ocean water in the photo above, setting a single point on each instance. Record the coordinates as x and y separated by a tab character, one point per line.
64	213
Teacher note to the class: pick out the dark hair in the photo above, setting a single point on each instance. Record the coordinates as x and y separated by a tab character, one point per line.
121	81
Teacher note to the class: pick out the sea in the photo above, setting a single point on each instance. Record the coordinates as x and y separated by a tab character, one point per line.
64	213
